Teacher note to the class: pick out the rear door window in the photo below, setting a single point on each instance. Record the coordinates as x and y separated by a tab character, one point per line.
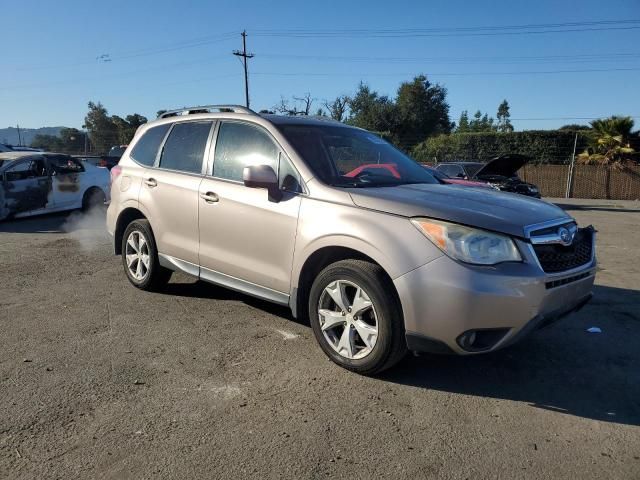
146	149
185	146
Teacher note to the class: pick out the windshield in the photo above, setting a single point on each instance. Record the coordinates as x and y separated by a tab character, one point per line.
437	174
472	168
349	157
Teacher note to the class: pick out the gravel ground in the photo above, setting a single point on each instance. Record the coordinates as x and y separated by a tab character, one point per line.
100	380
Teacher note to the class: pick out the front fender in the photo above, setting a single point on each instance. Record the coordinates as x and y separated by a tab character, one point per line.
390	240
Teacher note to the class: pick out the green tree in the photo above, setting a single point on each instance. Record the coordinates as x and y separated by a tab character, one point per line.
463	123
103	132
127	127
371	111
72	140
610	141
504	122
338	107
422	111
49	143
481	123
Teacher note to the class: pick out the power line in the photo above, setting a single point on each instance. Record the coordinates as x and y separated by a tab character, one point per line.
196	42
567	58
526	29
444	74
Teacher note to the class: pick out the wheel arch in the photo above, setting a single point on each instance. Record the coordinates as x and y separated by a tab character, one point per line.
127	216
319	259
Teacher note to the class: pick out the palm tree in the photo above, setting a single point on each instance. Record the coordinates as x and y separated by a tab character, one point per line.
610	141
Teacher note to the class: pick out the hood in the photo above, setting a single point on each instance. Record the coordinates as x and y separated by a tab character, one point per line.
504	165
482	208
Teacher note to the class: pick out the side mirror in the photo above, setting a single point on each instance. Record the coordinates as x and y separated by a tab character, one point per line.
262	176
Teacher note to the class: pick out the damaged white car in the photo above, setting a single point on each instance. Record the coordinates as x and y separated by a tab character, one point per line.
35	183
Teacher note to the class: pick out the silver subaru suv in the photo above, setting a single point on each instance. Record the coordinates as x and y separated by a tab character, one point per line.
346	230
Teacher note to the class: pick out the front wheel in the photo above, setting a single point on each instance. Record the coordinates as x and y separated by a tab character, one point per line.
140	257
356	316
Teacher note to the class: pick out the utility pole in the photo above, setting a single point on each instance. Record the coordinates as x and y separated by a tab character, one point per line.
244	56
19	137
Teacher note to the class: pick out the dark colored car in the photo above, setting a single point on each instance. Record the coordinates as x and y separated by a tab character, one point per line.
501	172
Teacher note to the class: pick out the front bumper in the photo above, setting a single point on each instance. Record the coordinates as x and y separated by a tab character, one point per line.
443	300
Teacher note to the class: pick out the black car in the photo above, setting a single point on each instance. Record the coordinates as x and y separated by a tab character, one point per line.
501	172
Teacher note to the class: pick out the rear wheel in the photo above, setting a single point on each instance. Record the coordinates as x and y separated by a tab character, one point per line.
140	257
356	316
94	197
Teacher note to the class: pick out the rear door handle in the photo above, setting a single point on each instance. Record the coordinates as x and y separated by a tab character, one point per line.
209	197
151	182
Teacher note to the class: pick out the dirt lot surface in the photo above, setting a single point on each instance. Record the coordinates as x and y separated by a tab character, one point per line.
100	380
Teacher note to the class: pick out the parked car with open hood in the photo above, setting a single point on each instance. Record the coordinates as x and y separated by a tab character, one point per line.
35	183
458	181
502	172
391	170
380	264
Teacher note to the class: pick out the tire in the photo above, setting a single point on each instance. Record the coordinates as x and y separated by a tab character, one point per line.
153	276
94	197
367	357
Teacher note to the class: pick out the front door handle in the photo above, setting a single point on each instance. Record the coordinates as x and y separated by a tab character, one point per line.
209	197
151	182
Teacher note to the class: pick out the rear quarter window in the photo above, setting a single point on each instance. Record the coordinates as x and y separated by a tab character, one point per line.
146	149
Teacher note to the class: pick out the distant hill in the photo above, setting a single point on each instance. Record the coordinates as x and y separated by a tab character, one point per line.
10	135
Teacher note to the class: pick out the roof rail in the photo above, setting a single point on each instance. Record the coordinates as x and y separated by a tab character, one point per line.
207	109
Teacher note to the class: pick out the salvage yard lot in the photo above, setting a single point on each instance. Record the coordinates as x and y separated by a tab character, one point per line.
101	380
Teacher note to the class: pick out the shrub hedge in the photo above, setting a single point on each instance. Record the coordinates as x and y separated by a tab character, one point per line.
544	146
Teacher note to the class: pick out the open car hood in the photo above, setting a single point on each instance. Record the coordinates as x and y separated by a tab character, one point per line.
504	165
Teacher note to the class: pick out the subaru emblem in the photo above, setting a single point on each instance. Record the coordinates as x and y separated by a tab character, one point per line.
566	238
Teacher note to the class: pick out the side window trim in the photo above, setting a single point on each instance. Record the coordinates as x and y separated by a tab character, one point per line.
205	160
283	157
156	161
211	149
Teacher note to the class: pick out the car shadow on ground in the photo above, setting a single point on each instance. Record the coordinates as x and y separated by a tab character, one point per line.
202	289
50	223
62	222
562	368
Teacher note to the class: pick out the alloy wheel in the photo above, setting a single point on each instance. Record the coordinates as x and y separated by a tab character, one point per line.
137	255
348	319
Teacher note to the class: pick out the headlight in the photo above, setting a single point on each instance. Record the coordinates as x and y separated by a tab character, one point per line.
467	244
